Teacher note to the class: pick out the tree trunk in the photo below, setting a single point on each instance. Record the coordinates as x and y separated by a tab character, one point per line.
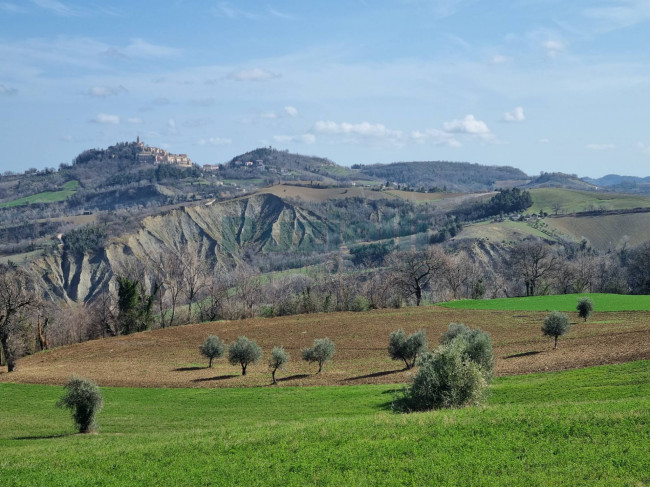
243	369
9	356
418	296
320	367
555	347
210	363
273	377
408	366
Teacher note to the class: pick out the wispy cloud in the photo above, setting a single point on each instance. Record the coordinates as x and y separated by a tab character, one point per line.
11	7
107	119
302	139
106	91
644	148
7	91
553	47
56	7
619	14
516	115
216	141
281	15
363	129
600	146
139	48
437	137
255	74
134	120
500	59
225	9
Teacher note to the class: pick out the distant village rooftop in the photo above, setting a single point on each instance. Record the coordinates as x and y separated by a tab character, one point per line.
154	155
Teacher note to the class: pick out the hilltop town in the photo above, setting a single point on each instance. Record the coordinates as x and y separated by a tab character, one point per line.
155	155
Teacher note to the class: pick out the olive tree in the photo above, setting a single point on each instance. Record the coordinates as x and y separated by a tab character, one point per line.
445	379
478	346
321	352
244	352
278	360
556	324
407	349
84	399
585	308
212	348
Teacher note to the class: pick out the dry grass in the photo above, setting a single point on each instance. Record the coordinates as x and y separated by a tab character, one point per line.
170	358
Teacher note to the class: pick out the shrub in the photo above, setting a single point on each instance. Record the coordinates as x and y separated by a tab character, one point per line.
321	352
479	346
446	379
278	360
555	325
83	398
360	303
407	349
585	308
212	348
244	352
266	311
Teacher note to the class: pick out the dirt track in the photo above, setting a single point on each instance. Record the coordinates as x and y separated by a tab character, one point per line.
170	358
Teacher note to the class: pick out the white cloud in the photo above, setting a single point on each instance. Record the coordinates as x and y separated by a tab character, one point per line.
225	9
364	129
643	148
291	111
216	141
6	90
10	7
544	141
553	47
438	137
268	115
500	59
255	74
619	14
516	115
139	48
302	139
105	91
281	15
55	6
468	125
600	146
134	120
105	118
171	127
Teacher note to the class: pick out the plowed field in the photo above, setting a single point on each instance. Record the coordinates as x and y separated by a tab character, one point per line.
170	357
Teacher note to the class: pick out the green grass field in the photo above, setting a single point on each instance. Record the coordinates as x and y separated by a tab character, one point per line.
573	201
580	427
562	302
69	188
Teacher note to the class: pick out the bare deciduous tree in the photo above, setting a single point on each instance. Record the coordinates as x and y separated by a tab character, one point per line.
413	270
531	260
15	296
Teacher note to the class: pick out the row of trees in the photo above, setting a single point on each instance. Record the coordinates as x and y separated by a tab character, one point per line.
244	352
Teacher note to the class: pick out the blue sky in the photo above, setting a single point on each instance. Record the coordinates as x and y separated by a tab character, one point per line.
542	85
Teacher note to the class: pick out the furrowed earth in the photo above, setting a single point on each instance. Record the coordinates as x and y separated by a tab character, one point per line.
170	358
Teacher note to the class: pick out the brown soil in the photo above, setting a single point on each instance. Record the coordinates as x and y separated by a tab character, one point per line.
170	357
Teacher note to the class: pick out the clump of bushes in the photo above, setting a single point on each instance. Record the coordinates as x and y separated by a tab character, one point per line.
84	399
456	374
322	351
407	349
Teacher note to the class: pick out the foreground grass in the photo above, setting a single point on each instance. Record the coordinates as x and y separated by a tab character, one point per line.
562	302
582	427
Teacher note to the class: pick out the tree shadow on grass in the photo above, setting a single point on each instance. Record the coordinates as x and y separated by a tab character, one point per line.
44	437
523	354
293	377
218	377
188	369
375	374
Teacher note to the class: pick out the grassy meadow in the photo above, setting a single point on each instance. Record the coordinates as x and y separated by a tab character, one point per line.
562	302
574	201
579	427
69	188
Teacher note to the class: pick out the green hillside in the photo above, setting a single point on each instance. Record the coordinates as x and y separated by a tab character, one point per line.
68	190
581	427
574	201
562	302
